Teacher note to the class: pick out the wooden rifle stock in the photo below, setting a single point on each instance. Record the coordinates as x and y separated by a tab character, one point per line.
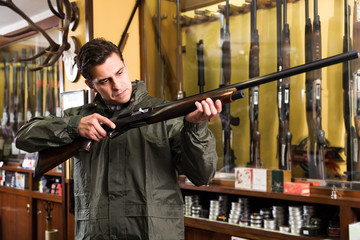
350	146
50	158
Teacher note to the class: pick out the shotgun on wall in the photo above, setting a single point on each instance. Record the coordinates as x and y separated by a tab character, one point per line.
225	79
285	136
254	91
51	157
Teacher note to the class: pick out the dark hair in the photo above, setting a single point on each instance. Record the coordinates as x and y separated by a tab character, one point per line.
94	53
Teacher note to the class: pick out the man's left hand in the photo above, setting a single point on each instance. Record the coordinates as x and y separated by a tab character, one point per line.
205	111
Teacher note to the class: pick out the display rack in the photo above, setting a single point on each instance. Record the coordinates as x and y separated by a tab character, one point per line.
348	205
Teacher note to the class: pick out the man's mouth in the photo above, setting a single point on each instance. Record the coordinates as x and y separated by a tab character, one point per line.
120	94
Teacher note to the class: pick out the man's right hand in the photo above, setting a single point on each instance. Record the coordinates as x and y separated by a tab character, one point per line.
90	126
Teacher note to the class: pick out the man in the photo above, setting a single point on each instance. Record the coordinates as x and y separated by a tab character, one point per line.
126	187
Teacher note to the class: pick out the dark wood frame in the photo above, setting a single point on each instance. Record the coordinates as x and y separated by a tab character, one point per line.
45	24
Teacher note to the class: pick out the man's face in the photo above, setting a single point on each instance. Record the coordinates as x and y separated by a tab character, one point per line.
111	80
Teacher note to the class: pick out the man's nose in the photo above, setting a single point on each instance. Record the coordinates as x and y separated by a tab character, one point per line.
116	83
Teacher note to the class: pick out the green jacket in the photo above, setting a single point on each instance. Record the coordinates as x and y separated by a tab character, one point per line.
126	187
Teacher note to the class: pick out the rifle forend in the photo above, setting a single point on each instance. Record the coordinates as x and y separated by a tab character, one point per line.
50	158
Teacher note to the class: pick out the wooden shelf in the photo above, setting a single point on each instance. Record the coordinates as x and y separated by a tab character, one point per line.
30	171
47	196
240	231
348	204
316	196
22	192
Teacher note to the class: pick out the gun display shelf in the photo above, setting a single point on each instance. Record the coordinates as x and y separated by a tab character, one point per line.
22	213
348	206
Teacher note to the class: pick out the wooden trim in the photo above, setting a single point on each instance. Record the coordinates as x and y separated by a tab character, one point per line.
240	231
142	41
350	201
89	20
89	34
45	24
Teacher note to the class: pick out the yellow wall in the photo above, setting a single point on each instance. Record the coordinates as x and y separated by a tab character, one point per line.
110	19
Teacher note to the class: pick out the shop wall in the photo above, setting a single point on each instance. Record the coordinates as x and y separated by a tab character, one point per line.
110	19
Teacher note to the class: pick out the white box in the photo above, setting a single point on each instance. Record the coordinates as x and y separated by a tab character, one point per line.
354	231
261	179
243	178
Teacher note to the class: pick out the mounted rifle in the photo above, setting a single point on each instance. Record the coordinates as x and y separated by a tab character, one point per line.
200	60
356	101
254	92
317	140
284	140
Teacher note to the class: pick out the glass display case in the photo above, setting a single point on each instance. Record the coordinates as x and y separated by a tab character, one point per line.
25	92
307	123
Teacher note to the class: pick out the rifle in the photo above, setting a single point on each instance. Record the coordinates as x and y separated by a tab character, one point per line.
225	78
49	81
5	121
15	97
200	60
285	135
51	157
347	89
21	105
39	91
31	88
316	133
356	76
125	34
179	64
254	92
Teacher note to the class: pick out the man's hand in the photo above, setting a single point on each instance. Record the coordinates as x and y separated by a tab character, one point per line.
90	126
205	111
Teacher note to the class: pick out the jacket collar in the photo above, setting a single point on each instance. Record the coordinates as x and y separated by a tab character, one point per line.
139	92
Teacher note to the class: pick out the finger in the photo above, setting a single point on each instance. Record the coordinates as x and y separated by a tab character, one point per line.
105	120
218	106
199	106
206	108
212	106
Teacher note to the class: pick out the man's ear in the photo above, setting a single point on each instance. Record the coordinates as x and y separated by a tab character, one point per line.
90	85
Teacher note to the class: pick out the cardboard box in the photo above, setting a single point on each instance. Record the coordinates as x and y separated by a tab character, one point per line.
21	180
312	183
354	231
261	179
297	188
279	177
243	178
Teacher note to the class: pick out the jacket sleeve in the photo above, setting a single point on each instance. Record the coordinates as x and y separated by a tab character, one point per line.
44	132
198	157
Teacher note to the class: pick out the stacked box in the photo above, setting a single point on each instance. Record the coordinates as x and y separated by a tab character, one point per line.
243	178
297	188
279	177
261	179
22	180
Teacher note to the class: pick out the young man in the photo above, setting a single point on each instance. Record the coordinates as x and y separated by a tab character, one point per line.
126	187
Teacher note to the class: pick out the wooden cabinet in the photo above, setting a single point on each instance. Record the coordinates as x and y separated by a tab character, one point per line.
347	205
15	215
22	211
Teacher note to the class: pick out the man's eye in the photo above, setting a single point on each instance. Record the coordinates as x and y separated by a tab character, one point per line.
119	73
104	81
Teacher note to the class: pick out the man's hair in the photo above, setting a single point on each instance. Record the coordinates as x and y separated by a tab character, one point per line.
94	53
